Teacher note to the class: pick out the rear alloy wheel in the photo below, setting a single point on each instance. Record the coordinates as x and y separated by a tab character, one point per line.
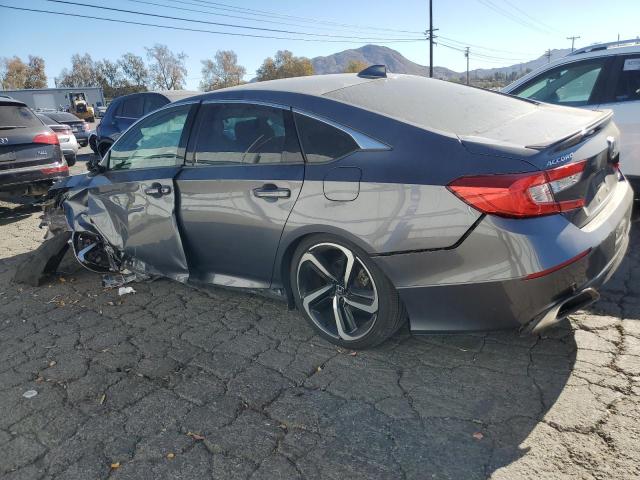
343	294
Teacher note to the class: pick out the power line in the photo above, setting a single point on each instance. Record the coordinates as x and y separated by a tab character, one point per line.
272	14
511	16
220	24
462	43
226	15
544	25
187	29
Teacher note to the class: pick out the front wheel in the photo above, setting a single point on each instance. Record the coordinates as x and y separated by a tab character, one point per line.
343	294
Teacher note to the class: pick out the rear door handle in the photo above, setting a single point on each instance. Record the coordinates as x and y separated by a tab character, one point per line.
157	190
270	191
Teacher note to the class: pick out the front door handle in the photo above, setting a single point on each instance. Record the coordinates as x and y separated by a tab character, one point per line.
271	191
157	190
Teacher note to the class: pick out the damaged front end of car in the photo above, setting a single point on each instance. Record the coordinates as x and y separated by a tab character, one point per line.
77	219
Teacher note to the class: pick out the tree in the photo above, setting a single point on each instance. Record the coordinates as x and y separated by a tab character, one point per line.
15	73
134	72
167	70
284	65
109	77
82	73
355	66
36	77
221	72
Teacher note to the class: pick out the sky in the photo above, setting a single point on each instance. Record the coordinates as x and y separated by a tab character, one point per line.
498	32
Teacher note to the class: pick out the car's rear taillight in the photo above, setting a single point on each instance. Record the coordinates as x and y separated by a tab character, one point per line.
521	195
48	138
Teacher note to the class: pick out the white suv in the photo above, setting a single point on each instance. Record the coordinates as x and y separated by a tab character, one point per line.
605	76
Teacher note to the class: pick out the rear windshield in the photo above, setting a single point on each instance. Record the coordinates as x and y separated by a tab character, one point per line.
17	116
63	117
46	120
435	104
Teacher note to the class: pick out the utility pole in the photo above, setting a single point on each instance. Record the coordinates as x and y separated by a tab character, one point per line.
573	39
466	54
430	38
548	55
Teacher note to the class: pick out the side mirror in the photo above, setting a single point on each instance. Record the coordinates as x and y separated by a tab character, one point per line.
94	165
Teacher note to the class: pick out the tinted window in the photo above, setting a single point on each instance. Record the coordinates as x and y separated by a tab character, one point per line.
250	134
322	142
131	107
628	86
64	117
46	120
18	116
154	142
572	84
154	102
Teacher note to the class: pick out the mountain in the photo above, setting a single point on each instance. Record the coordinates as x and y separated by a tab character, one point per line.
397	63
374	55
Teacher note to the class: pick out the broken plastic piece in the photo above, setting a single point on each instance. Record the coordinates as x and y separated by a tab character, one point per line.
29	394
125	290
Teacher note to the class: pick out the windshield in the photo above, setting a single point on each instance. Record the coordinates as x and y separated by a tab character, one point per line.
16	116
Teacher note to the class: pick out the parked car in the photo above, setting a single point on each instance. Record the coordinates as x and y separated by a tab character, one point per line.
364	200
79	127
93	141
124	111
67	139
30	155
605	76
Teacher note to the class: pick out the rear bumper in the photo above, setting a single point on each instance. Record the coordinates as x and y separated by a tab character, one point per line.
483	284
22	178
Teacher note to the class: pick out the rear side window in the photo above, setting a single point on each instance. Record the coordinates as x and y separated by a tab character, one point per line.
628	86
132	107
572	84
154	102
17	116
322	142
237	133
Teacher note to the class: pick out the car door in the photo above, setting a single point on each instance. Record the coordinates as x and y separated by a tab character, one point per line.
134	207
623	97
243	174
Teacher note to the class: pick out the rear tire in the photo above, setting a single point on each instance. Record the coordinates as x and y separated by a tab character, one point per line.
343	294
71	160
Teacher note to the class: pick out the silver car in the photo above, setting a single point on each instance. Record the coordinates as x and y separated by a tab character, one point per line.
365	201
68	143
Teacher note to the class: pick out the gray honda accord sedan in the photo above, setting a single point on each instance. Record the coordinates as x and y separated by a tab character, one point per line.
366	201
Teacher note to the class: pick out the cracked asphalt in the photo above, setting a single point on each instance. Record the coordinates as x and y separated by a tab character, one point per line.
171	382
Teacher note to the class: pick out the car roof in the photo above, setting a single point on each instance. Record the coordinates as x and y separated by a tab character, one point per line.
45	118
5	100
171	95
309	85
431	104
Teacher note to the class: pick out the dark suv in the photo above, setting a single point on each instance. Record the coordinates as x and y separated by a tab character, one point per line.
30	155
124	111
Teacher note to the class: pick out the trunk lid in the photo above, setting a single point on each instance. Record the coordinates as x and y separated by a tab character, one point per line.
554	137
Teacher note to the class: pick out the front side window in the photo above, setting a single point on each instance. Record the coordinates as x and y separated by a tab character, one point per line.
322	142
628	86
572	84
238	133
153	142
